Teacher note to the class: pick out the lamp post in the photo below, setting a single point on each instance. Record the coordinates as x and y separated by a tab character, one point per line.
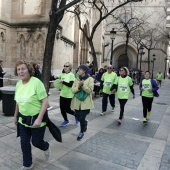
165	66
141	53
153	64
112	36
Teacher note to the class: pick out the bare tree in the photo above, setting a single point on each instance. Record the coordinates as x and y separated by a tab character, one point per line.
58	8
103	12
127	23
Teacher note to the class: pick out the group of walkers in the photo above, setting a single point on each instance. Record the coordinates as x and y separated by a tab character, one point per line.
75	99
122	85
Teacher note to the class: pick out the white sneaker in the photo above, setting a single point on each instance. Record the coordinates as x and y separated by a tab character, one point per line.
25	168
102	113
47	153
49	108
113	109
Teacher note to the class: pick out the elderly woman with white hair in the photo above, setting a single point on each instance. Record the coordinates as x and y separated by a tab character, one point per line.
122	86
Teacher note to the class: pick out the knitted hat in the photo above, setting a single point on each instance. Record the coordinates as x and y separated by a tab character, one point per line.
84	68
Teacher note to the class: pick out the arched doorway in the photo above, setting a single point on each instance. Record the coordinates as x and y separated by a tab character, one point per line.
123	60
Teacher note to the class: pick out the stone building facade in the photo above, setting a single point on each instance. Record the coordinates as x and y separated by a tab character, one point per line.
23	30
153	14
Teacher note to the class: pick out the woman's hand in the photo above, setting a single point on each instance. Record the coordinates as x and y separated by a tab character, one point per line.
81	83
15	121
150	90
37	123
113	91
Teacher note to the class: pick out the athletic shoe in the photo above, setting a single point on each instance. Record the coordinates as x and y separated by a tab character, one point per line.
65	123
102	113
49	108
113	109
144	120
47	153
80	136
25	168
86	123
148	113
76	120
119	121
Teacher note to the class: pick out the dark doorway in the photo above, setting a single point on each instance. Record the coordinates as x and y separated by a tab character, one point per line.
123	60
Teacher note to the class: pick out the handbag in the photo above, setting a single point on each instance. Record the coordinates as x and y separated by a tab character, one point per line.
81	95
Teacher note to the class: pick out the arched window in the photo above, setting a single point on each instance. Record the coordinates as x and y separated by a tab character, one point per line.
2	45
22	47
32	49
40	48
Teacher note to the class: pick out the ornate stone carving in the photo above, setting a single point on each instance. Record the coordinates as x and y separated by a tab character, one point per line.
2	45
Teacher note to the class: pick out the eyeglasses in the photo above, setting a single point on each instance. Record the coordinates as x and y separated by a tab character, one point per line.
109	68
122	70
66	66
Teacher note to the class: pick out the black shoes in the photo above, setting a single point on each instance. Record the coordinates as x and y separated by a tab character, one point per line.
80	136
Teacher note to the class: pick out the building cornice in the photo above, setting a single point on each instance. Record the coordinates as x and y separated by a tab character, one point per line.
35	25
66	40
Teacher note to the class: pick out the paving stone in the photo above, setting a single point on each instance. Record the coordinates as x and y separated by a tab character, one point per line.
135	127
115	148
52	167
165	162
77	161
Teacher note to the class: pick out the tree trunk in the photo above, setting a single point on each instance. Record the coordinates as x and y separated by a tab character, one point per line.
126	46
137	63
93	54
55	19
46	74
149	59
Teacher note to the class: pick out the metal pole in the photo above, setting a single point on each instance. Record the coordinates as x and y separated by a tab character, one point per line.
140	67
153	67
165	68
111	53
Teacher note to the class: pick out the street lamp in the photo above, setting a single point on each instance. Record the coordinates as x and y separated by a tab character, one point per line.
153	64
165	66
112	37
141	53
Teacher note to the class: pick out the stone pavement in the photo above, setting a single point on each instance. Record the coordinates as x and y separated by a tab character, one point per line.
106	145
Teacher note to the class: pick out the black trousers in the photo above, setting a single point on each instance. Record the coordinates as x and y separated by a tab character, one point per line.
122	103
105	101
37	137
81	116
65	107
147	105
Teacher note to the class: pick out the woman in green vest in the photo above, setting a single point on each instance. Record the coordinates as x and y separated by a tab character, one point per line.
148	87
31	105
67	79
82	103
159	78
122	87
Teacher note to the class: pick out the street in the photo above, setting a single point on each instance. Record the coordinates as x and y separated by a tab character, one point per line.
106	145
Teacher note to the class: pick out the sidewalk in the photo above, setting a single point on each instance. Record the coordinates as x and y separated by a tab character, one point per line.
105	146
